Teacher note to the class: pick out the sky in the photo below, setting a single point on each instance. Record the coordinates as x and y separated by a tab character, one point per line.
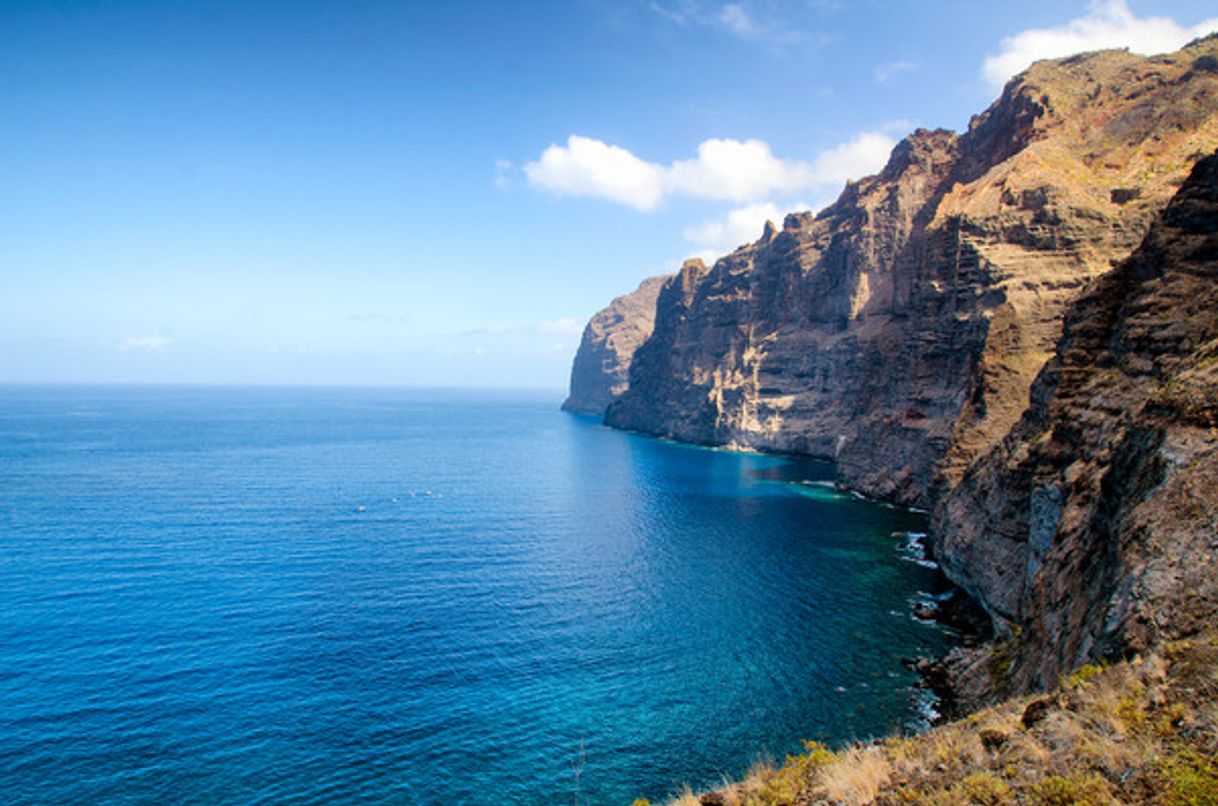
441	193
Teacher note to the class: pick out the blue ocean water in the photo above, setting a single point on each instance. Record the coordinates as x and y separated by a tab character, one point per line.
358	595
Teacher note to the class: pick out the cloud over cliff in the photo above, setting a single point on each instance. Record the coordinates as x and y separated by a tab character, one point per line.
1107	24
724	169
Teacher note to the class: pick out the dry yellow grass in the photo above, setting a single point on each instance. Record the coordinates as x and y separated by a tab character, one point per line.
687	798
856	776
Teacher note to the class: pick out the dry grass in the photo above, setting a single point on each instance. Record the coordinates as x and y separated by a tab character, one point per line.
1142	731
687	798
856	776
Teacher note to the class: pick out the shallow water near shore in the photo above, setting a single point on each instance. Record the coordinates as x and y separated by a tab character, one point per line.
363	595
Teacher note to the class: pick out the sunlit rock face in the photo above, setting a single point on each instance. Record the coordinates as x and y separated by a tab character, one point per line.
899	330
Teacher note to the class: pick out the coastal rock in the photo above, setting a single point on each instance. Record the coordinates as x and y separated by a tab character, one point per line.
898	331
1037	710
992	739
1089	532
600	371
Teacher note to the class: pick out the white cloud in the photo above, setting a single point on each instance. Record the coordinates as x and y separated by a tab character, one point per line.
737	20
885	73
859	157
862	156
503	174
741	171
588	167
1107	24
564	325
735	170
718	236
145	343
733	18
682	13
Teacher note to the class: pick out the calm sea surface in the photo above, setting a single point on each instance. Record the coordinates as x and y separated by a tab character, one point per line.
308	596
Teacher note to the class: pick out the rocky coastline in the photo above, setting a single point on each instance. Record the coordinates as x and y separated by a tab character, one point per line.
1012	328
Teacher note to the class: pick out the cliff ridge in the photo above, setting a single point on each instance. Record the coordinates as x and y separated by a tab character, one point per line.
899	330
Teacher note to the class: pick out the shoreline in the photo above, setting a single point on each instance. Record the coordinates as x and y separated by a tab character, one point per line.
947	606
957	612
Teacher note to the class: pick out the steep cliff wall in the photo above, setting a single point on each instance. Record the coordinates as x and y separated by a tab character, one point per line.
599	374
1092	528
899	330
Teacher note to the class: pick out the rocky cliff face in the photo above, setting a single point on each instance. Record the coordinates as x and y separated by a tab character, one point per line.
600	372
899	330
1092	528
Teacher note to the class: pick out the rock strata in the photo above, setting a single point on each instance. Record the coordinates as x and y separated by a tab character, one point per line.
899	330
1091	530
600	372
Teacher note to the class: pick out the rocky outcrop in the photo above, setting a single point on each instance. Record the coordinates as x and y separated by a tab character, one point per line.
899	330
600	372
1091	530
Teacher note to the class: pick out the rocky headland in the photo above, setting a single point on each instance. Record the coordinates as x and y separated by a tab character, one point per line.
899	330
1105	673
1017	328
600	373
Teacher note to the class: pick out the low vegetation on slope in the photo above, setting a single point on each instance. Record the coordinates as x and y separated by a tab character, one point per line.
1143	730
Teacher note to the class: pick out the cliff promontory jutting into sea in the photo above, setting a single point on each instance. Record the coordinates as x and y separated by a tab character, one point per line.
898	331
952	331
601	370
1111	474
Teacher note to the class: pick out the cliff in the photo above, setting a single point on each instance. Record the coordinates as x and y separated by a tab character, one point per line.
599	373
1019	327
899	331
1091	530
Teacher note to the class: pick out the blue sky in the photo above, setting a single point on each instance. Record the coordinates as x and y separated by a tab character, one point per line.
441	193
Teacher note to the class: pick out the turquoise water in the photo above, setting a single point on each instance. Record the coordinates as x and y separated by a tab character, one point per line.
307	596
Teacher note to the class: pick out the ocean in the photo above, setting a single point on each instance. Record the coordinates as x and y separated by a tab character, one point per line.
308	595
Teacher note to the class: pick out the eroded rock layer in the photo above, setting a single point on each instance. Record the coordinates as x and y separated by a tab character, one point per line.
1092	528
899	330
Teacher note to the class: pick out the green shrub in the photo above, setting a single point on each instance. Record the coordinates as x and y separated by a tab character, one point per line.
1083	675
986	790
1077	790
1192	779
